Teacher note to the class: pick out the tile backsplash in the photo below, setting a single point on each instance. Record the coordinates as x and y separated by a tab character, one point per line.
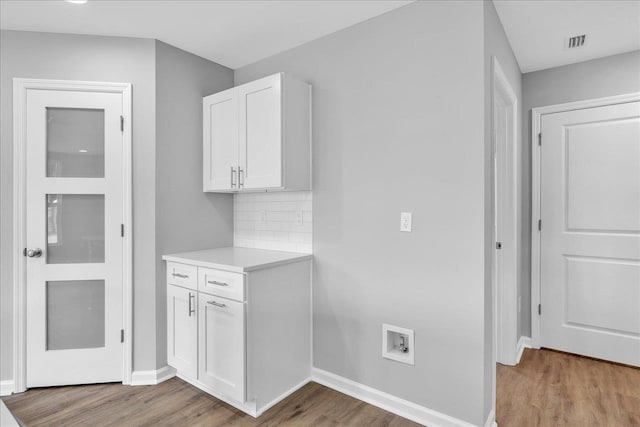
281	221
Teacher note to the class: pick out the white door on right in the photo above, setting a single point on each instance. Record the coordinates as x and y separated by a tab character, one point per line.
590	238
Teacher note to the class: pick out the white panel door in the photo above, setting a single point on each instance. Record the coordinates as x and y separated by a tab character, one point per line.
182	330
590	238
261	133
222	346
220	136
74	210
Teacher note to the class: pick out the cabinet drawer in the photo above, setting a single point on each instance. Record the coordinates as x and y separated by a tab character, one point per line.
182	275
221	283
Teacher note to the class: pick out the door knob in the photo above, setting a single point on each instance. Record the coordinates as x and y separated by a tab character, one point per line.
34	253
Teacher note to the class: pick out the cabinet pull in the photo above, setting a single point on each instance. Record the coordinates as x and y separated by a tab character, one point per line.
240	177
233	174
217	304
182	276
192	308
213	282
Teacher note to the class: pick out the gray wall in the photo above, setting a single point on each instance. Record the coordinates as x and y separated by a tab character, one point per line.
613	75
495	45
70	57
186	217
398	126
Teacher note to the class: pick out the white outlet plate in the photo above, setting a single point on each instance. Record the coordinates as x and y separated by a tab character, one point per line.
299	218
406	221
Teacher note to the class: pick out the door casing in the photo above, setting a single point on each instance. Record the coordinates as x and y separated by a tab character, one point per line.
507	260
20	88
536	116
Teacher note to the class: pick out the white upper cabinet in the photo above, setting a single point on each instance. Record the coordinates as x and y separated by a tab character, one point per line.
260	147
257	136
221	140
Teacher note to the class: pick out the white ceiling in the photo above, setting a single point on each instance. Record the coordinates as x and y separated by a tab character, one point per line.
239	32
537	30
231	33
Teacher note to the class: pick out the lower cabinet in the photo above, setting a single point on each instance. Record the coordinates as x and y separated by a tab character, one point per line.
242	337
182	329
221	337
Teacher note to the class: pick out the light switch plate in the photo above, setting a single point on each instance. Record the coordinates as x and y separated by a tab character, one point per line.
405	221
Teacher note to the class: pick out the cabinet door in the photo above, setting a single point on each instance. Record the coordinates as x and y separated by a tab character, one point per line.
220	141
182	330
261	133
222	346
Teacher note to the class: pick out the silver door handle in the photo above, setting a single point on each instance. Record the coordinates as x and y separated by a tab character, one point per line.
33	253
182	276
217	304
240	177
233	172
191	309
213	282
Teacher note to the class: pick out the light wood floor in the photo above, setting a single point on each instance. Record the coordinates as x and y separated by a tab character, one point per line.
176	403
547	389
550	388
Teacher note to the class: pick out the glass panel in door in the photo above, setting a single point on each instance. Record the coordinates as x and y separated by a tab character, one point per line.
75	314
75	142
75	228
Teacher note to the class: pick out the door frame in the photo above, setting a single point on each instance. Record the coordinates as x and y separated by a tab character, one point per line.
505	298
536	120
20	88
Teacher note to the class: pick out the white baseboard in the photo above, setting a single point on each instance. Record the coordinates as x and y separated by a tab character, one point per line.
6	387
523	342
491	419
6	418
388	402
152	377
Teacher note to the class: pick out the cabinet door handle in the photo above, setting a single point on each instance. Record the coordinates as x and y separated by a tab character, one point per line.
233	174
213	282
240	177
217	304
182	276
191	308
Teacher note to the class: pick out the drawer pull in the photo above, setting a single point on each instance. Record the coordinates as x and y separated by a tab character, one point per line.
217	304
192	310
182	276
213	282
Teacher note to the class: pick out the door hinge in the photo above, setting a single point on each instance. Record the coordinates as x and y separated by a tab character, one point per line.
498	245
121	230
539	309
494	143
121	123
540	139
539	225
121	335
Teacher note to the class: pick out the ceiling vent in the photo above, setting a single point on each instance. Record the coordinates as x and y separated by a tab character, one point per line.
576	41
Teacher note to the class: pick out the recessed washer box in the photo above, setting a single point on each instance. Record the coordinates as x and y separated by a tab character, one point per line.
398	344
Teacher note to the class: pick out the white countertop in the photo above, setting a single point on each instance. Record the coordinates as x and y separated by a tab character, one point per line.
238	260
